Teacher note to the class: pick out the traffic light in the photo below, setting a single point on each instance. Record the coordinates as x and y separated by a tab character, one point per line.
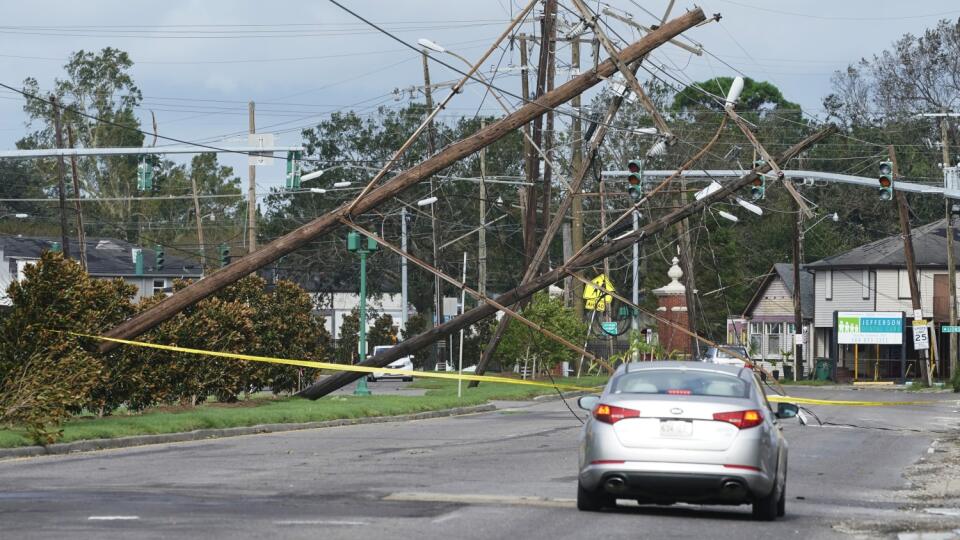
293	170
758	189
635	178
224	255
886	180
144	175
160	259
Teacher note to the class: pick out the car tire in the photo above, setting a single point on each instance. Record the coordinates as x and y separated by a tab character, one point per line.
592	501
765	508
782	503
371	378
408	379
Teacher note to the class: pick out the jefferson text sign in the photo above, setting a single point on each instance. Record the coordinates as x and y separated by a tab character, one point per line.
869	328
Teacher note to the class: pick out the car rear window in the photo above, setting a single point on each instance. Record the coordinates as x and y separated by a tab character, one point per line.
730	353
681	382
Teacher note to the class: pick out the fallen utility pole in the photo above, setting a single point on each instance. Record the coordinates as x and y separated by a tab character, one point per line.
233	272
904	214
546	279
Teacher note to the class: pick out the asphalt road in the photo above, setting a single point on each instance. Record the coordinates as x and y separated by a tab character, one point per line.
506	474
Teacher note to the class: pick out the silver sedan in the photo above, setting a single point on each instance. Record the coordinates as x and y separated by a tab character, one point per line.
667	432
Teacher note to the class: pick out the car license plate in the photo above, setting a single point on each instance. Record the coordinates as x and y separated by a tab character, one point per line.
675	428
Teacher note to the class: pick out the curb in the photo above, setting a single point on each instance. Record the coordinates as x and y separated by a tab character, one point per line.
202	434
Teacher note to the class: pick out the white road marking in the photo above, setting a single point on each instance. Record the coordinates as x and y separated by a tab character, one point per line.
447	517
112	518
318	522
502	500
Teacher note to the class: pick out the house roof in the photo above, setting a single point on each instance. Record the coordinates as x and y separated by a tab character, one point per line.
929	249
784	271
105	256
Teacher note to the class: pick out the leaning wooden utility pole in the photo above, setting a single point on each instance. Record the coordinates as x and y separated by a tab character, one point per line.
798	348
233	272
904	215
431	148
549	44
576	203
64	236
546	279
251	189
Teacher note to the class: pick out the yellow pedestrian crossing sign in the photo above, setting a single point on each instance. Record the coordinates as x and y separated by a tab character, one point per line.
594	295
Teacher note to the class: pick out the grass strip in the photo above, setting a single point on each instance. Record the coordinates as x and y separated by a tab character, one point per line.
441	394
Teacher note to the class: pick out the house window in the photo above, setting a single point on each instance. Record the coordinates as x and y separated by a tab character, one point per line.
756	338
903	283
159	285
828	288
865	283
773	338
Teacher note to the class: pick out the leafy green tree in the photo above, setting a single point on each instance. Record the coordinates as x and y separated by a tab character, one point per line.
349	338
522	344
383	332
417	324
755	97
46	372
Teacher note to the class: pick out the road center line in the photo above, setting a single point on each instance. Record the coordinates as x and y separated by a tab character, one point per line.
112	518
318	522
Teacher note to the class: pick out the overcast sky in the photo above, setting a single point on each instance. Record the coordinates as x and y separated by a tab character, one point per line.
198	62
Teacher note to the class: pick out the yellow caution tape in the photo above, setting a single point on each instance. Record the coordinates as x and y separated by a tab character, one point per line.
834	402
455	376
341	367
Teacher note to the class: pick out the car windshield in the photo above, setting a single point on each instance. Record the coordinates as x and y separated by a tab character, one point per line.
681	382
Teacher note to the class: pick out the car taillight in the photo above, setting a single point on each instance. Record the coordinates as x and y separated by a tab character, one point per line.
741	419
611	414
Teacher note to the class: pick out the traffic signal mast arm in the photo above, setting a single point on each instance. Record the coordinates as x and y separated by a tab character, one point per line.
542	281
199	290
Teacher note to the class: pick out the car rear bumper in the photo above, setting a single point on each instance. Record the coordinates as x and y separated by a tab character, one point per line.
669	482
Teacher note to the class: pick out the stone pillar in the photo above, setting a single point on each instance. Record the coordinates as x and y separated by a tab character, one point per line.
672	306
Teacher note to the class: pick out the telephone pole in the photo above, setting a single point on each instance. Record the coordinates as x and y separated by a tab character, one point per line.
64	237
576	200
81	235
196	210
482	233
251	191
437	290
904	215
797	297
951	263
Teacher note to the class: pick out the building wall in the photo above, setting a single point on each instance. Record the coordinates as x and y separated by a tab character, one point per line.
895	291
775	302
848	294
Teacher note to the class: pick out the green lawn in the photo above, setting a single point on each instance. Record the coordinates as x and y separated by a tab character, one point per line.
441	394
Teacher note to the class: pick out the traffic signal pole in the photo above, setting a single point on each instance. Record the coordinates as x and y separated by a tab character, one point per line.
402	181
951	263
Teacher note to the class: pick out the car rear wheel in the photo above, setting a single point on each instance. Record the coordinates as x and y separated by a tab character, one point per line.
766	508
593	501
782	503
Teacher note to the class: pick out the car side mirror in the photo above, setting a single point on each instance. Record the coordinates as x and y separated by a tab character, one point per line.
587	403
787	410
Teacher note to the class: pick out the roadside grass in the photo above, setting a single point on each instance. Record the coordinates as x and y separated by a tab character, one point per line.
266	409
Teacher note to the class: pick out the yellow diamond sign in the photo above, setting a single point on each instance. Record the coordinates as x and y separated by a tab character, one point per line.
594	294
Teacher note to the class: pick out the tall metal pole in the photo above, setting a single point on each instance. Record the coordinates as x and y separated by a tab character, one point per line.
81	235
403	268
251	190
797	297
482	233
635	317
64	237
951	263
362	389
196	210
463	307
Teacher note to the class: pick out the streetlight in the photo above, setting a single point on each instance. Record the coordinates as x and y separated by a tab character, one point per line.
18	216
835	217
426	202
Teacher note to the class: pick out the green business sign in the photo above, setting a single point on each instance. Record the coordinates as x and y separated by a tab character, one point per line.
869	328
